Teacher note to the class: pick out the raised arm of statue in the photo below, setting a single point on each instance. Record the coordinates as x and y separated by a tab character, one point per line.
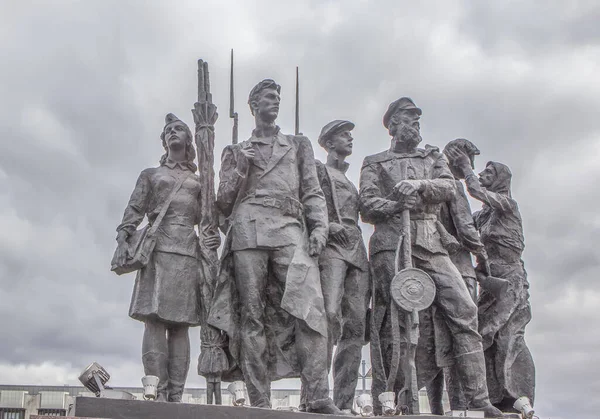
498	202
490	188
461	161
475	189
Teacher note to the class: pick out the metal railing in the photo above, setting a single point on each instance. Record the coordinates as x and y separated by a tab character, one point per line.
12	413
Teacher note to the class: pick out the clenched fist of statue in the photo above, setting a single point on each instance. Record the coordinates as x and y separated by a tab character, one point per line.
122	248
316	244
247	154
406	192
408	187
212	242
407	202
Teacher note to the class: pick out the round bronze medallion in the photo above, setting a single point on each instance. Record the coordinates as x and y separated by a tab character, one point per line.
412	289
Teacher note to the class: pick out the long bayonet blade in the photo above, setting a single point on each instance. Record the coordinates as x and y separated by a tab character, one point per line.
231	105
297	129
232	113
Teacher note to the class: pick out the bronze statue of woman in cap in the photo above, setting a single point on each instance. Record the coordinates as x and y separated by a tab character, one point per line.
166	293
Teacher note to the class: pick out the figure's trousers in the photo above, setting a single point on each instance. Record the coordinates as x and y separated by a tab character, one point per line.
213	388
510	368
260	279
435	389
346	290
460	314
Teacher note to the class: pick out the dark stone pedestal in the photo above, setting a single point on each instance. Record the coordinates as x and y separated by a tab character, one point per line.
137	409
62	417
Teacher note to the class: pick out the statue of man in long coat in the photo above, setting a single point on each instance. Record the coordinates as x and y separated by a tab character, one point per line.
268	297
409	178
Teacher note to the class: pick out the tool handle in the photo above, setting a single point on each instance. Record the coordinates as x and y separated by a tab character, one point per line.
407	240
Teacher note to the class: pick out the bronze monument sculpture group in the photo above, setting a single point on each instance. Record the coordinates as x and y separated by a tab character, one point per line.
294	292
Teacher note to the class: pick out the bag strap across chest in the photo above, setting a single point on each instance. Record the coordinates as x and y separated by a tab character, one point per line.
167	203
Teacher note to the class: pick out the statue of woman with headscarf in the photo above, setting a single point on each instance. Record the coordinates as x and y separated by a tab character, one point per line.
502	318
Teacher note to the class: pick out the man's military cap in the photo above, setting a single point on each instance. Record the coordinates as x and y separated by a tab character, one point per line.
333	128
404	103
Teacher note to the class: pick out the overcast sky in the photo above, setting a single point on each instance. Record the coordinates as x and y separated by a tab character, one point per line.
86	85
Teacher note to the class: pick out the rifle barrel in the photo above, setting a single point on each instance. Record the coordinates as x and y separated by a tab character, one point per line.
231	101
232	113
297	128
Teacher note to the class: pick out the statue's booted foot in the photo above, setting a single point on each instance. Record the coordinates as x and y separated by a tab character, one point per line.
326	407
489	411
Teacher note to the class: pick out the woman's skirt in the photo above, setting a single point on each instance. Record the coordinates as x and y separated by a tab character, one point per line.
168	290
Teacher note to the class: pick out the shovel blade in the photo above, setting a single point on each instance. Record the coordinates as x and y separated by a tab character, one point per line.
495	286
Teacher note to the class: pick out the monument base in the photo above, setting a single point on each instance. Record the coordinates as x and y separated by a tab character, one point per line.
477	414
92	407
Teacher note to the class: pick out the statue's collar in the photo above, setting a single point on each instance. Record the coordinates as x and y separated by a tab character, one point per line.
340	165
258	133
419	152
181	165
